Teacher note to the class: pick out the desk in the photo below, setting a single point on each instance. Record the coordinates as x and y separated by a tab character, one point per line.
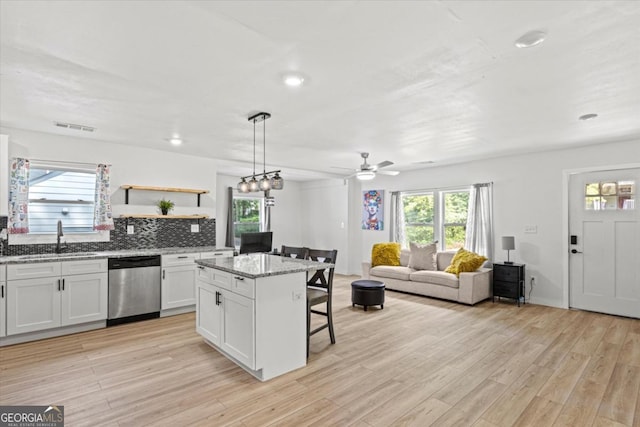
252	309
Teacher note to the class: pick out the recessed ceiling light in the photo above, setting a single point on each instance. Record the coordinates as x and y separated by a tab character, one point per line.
175	141
293	80
530	39
588	116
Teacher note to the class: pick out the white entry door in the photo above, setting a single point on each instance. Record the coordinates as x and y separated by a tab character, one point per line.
604	229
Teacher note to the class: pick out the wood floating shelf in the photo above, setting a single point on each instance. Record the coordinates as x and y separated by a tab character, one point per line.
164	216
127	187
168	189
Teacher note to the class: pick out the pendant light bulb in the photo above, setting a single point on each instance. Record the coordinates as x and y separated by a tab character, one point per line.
243	186
265	183
253	185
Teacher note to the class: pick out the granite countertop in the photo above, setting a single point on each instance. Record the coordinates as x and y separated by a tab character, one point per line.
77	256
261	265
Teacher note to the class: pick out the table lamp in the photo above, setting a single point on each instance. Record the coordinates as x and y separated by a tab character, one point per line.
508	244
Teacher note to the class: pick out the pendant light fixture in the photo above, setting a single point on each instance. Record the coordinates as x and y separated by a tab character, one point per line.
265	183
268	182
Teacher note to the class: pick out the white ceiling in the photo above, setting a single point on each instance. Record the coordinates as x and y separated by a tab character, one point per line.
409	82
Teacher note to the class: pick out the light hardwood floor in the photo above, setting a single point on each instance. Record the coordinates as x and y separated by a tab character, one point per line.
417	362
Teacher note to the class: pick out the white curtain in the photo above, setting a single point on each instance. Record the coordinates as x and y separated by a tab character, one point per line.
397	213
479	237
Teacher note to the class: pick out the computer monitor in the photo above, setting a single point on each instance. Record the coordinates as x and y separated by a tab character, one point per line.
256	242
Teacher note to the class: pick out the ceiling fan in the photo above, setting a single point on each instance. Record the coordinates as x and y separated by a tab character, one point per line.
368	172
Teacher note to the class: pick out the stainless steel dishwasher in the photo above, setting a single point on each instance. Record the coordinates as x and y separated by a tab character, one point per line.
134	289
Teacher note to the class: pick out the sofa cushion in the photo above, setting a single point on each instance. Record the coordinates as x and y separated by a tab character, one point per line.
465	261
400	273
385	254
435	277
423	257
443	259
404	257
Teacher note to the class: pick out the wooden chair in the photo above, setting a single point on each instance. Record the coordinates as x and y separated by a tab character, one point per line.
319	291
299	252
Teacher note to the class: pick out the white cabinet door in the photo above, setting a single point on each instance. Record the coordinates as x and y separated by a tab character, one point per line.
178	286
33	304
84	298
208	312
3	309
238	336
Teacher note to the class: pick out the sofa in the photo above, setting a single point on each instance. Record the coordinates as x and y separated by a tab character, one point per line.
469	288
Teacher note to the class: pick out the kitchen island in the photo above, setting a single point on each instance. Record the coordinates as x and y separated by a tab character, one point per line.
252	309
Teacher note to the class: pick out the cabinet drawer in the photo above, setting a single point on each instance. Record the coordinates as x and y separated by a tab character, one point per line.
505	289
243	286
84	267
216	254
505	273
179	259
33	271
3	273
221	279
205	274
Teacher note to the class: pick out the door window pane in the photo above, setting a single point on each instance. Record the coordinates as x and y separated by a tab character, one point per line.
610	195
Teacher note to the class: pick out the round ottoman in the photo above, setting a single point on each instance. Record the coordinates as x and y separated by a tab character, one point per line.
366	293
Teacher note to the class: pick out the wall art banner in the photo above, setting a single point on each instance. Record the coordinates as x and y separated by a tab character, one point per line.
373	210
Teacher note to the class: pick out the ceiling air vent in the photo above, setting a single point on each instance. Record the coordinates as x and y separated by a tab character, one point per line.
74	127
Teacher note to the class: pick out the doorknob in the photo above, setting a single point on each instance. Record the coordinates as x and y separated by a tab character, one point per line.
575	251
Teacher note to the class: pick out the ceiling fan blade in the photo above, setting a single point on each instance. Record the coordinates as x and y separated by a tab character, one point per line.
340	167
382	165
392	173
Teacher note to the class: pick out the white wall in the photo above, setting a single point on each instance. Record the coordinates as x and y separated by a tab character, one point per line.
286	218
130	165
325	211
528	190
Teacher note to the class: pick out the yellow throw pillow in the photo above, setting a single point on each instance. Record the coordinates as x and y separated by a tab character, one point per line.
385	254
465	261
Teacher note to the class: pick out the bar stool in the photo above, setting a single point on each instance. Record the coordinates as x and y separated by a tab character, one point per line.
320	291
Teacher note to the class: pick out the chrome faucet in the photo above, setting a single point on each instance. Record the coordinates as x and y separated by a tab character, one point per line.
59	247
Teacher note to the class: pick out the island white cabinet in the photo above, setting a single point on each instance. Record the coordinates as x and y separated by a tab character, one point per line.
3	301
52	294
179	280
252	309
229	320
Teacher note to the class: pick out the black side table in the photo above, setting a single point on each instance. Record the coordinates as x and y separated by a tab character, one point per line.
508	281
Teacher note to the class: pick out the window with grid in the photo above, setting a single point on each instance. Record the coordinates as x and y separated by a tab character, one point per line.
247	216
61	195
434	215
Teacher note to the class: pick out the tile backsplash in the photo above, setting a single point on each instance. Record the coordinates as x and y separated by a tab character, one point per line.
149	233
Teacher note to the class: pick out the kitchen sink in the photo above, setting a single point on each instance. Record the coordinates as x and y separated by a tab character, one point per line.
69	255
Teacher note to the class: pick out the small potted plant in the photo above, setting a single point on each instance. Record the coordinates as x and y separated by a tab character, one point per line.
165	206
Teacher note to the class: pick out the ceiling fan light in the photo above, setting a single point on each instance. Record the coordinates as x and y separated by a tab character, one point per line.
243	186
265	183
365	175
530	39
277	183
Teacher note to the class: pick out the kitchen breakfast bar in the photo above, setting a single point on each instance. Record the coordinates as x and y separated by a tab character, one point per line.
252	309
